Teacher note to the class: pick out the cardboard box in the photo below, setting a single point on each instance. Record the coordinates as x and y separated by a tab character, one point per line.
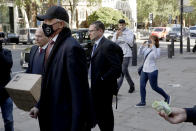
24	89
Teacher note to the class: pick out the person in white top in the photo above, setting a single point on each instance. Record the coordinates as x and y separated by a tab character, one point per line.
150	72
125	39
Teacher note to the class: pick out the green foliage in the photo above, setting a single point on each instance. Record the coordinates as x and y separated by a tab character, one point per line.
192	15
161	10
94	2
4	18
108	16
24	3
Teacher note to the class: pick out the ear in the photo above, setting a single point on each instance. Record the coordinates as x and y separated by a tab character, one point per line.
101	31
61	24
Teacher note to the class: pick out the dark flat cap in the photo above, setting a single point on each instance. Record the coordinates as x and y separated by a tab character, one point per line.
122	21
57	12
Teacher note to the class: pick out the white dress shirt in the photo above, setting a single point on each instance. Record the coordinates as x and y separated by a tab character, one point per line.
150	62
54	39
126	38
44	47
97	41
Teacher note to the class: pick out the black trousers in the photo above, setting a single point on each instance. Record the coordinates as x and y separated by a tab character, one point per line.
104	112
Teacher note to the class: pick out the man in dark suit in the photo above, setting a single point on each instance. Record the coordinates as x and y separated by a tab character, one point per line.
105	68
64	100
36	61
37	53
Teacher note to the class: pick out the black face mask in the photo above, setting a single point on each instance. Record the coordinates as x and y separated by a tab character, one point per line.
48	30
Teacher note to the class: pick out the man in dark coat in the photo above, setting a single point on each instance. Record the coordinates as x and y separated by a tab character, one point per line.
64	100
6	103
105	68
37	53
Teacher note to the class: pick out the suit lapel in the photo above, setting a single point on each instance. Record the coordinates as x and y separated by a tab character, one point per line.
99	46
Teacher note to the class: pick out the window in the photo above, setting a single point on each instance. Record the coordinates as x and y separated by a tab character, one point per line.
158	29
20	13
192	28
22	32
176	29
32	31
75	35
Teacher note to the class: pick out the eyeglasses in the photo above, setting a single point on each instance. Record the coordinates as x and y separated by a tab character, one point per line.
55	23
89	31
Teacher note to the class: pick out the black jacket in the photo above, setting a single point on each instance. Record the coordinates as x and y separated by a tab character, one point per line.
6	65
191	115
106	65
64	100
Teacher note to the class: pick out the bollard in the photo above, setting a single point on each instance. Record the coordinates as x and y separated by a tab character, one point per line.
169	48
172	45
188	44
134	55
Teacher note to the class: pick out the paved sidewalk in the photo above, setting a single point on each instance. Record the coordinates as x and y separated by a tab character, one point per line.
176	76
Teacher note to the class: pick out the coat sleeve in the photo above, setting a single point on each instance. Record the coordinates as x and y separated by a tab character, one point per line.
128	37
115	62
6	59
29	65
78	80
114	37
6	65
33	49
156	52
191	115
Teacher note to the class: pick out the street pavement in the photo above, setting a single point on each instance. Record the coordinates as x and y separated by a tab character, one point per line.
176	76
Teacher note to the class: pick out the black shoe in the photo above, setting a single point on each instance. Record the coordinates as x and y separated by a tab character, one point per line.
168	100
131	89
141	104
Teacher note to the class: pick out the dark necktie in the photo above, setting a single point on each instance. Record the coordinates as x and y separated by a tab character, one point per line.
93	51
48	50
40	50
94	48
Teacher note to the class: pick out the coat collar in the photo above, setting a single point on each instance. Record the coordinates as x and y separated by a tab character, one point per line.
66	32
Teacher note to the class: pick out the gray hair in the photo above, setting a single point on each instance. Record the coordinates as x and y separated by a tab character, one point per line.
65	23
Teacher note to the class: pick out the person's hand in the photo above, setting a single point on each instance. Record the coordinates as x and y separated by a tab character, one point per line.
118	33
145	43
34	112
178	115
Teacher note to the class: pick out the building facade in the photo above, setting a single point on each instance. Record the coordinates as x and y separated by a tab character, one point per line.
127	7
12	17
